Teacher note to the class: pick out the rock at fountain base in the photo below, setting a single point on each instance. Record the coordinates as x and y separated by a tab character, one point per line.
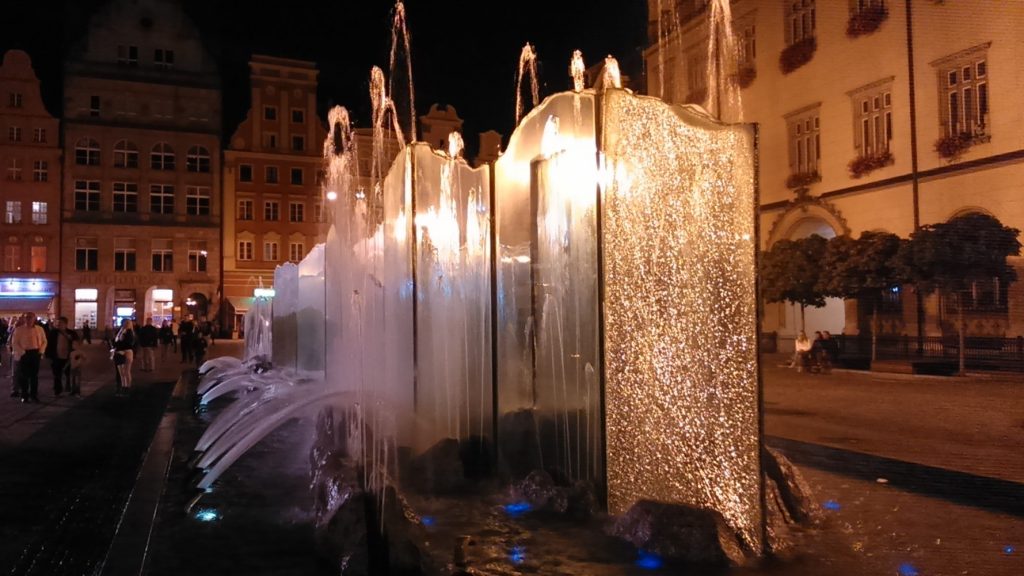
438	470
794	493
681	534
543	494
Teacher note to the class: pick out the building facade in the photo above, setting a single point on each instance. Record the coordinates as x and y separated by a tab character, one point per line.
272	198
873	115
30	156
141	199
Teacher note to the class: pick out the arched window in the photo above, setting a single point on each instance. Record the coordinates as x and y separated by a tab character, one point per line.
198	159
87	152
162	157
126	154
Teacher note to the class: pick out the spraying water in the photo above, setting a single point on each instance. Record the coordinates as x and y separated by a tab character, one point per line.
399	29
527	65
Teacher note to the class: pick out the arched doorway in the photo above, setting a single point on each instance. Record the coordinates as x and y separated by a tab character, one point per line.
198	305
832	316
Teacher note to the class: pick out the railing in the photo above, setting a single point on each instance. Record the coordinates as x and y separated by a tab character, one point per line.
980	352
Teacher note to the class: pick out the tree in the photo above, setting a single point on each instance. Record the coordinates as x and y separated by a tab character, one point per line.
862	269
790	272
950	257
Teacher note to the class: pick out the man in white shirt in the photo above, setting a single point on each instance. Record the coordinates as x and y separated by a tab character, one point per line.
28	343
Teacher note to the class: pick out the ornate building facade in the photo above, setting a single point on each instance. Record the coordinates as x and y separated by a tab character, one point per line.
141	199
873	115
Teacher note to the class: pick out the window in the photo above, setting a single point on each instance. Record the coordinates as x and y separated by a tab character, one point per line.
14	169
747	45
12	213
162	255
198	159
40	213
161	157
245	249
124	255
94	106
161	198
873	118
126	197
40	171
270	174
14	133
296	176
696	75
197	256
14	100
271	211
804	141
127	55
318	212
197	201
245	210
298	143
800	18
12	258
298	116
270	112
296	212
963	78
38	259
245	173
296	251
270	252
86	259
39	135
126	155
87	195
270	140
163	58
87	152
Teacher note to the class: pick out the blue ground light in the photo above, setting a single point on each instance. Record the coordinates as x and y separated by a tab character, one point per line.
428	521
832	505
517	555
1009	550
649	561
516	509
907	569
207	515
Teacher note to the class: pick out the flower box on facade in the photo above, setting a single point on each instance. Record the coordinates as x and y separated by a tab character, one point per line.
797	54
863	165
802	179
951	147
744	77
867	20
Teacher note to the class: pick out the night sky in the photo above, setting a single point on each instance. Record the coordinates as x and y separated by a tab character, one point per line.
464	53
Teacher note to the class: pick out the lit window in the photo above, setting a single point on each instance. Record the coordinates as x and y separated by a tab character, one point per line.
12	214
38	259
12	258
40	213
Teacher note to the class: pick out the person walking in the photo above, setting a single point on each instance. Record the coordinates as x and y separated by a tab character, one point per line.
86	333
76	362
166	336
186	330
15	357
148	337
29	342
124	353
58	350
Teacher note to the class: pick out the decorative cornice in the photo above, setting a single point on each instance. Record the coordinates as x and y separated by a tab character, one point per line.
803	203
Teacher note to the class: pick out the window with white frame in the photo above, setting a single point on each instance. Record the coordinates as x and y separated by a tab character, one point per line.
804	131
245	250
87	195
87	152
197	200
39	135
37	260
12	258
270	251
124	254
296	251
14	133
163	58
873	122
126	197
801	20
127	55
197	256
245	209
86	255
14	169
318	212
162	255
126	154
271	211
161	198
161	157
270	174
12	212
40	213
14	99
296	212
40	171
198	159
964	78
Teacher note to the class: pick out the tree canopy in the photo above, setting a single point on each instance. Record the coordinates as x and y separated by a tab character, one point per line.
791	271
862	267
